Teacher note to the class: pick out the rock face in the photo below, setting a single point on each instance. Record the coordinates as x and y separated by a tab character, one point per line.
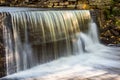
110	28
99	2
2	50
110	32
79	4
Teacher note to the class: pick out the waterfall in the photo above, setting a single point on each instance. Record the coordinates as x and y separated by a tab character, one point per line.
49	44
37	37
91	59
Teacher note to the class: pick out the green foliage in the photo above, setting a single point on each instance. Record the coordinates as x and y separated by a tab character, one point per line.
114	9
116	1
112	23
107	13
118	23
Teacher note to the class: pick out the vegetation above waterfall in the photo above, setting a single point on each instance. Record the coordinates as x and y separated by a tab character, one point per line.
110	32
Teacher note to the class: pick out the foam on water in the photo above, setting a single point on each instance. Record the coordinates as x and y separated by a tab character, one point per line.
79	63
95	58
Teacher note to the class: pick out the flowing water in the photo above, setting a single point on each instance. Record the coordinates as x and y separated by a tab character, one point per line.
37	37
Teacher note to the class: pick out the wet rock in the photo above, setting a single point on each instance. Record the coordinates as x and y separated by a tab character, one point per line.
2	52
114	45
118	45
107	33
115	32
104	40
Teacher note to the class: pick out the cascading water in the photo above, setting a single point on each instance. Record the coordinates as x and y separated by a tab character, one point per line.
41	36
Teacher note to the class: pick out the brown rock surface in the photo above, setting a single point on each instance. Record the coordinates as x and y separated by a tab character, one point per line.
2	53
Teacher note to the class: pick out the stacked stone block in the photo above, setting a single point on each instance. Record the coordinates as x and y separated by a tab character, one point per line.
78	4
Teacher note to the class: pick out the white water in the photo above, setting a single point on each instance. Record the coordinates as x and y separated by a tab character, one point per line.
37	37
96	57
